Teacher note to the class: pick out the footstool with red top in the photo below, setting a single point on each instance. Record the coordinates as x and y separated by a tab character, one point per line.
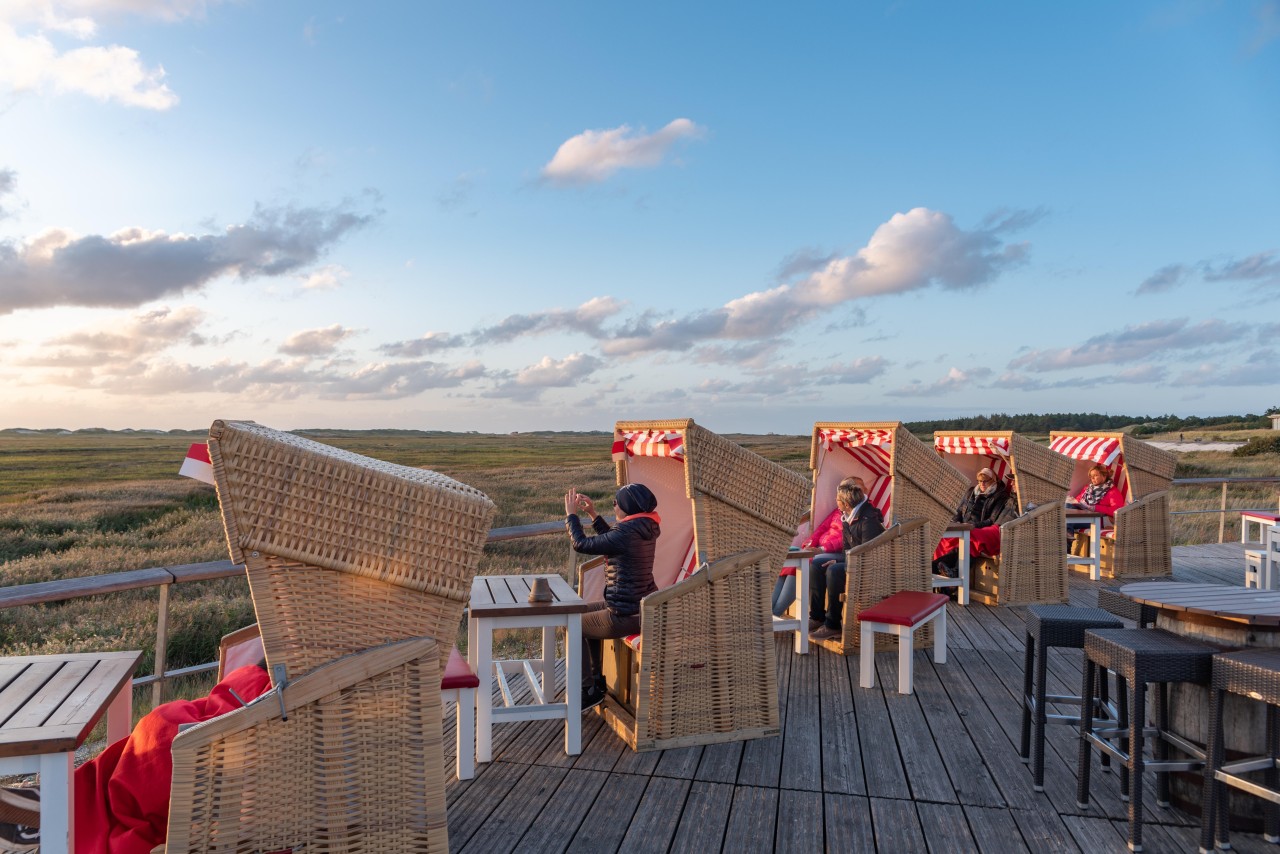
459	685
901	614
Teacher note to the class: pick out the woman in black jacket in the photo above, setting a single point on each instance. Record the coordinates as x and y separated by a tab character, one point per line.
628	547
862	521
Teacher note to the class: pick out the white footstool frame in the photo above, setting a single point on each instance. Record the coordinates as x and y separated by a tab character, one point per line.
906	638
464	700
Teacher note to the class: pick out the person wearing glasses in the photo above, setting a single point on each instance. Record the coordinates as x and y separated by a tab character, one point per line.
981	507
860	522
628	547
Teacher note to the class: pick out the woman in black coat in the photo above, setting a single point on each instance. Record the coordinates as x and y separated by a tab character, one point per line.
861	521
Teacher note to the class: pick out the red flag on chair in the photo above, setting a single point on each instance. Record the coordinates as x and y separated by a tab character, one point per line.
197	463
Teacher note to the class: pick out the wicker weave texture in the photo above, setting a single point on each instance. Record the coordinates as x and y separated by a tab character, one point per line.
1042	475
284	495
1143	540
358	766
310	616
707	668
1033	562
1253	673
896	560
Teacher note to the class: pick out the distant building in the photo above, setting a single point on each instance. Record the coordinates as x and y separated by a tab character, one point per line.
1275	421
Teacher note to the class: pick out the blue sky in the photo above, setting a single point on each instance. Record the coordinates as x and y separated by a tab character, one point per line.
529	216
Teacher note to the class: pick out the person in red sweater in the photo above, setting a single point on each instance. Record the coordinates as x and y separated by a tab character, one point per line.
1100	495
827	538
122	795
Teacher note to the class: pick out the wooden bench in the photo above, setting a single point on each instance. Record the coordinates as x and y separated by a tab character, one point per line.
901	614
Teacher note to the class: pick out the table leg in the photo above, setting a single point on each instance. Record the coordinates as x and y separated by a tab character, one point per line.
964	564
1244	528
547	667
572	684
120	715
802	605
482	644
57	799
1095	549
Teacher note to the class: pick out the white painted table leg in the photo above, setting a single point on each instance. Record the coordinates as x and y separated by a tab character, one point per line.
1095	549
57	800
120	715
965	561
547	667
802	602
572	684
483	645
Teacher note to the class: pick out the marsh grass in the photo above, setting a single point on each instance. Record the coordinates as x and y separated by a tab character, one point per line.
100	503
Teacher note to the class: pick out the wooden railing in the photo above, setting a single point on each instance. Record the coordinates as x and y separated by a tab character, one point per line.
165	577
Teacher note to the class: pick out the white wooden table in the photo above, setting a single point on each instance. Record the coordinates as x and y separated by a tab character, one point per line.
48	706
1094	558
800	623
502	602
962	532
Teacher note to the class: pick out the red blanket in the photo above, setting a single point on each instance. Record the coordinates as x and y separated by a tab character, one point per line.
983	542
122	796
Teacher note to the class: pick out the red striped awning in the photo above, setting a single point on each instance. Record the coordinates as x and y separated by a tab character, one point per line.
649	443
994	448
1096	449
873	450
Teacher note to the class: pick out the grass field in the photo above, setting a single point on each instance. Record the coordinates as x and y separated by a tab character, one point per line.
95	503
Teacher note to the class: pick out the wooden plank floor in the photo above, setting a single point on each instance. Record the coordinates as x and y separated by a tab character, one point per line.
853	770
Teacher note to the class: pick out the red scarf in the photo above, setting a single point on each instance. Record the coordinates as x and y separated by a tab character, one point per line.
654	516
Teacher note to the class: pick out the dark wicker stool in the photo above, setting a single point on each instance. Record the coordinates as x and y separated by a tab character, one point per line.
1110	599
1252	673
1140	656
1050	626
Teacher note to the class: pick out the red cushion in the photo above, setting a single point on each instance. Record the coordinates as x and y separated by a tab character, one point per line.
904	608
457	673
633	641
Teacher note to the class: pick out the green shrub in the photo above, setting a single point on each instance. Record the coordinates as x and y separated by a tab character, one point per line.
1258	445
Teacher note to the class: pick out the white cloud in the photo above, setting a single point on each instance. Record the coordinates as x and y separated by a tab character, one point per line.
594	155
119	345
530	382
1164	279
955	380
316	342
134	265
1133	344
326	278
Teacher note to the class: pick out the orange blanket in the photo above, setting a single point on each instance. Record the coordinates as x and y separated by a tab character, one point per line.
122	796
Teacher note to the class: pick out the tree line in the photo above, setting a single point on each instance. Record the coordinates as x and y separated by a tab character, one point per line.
1140	425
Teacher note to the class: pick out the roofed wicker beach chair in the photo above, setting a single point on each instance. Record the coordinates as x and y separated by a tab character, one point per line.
1031	566
702	669
344	552
1141	542
909	484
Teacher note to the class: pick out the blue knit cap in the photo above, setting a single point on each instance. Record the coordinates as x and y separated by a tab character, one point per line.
636	498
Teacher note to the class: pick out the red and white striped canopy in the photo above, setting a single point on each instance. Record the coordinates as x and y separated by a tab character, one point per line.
994	448
1096	449
649	443
871	448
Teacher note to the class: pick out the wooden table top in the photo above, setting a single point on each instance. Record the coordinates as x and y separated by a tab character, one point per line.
508	596
958	527
1261	515
49	703
1082	513
1247	605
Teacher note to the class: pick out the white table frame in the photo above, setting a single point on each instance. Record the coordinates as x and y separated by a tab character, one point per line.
800	623
963	564
1094	560
480	631
57	777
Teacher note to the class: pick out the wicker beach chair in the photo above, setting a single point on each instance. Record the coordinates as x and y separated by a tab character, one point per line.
1032	566
716	499
348	757
343	552
1141	543
909	483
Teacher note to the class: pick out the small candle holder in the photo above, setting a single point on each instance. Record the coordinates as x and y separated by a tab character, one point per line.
540	591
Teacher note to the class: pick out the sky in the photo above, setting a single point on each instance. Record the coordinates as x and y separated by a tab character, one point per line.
552	216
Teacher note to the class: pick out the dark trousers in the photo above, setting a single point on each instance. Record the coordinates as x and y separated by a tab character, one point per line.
826	583
597	624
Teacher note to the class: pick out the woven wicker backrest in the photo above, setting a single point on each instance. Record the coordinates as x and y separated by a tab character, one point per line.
740	499
1042	475
923	485
357	766
896	560
1033	562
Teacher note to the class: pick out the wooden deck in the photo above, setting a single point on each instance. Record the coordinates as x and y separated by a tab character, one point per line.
854	769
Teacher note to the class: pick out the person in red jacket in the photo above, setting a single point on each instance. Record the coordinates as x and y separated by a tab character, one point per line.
827	538
1100	496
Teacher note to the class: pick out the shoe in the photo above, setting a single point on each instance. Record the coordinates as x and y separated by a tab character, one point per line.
16	838
814	625
592	697
20	806
824	633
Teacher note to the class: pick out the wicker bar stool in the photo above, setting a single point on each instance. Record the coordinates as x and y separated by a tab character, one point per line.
1140	656
1252	673
1110	599
1048	626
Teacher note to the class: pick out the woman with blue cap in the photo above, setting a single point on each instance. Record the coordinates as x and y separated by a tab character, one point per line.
628	547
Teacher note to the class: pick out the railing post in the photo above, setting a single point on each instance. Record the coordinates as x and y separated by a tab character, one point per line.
162	645
1222	516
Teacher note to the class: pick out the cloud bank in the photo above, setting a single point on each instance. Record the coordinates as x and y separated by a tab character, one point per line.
594	155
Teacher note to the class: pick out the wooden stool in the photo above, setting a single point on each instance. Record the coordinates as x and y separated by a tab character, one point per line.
1140	656
901	614
1255	674
459	685
1048	626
